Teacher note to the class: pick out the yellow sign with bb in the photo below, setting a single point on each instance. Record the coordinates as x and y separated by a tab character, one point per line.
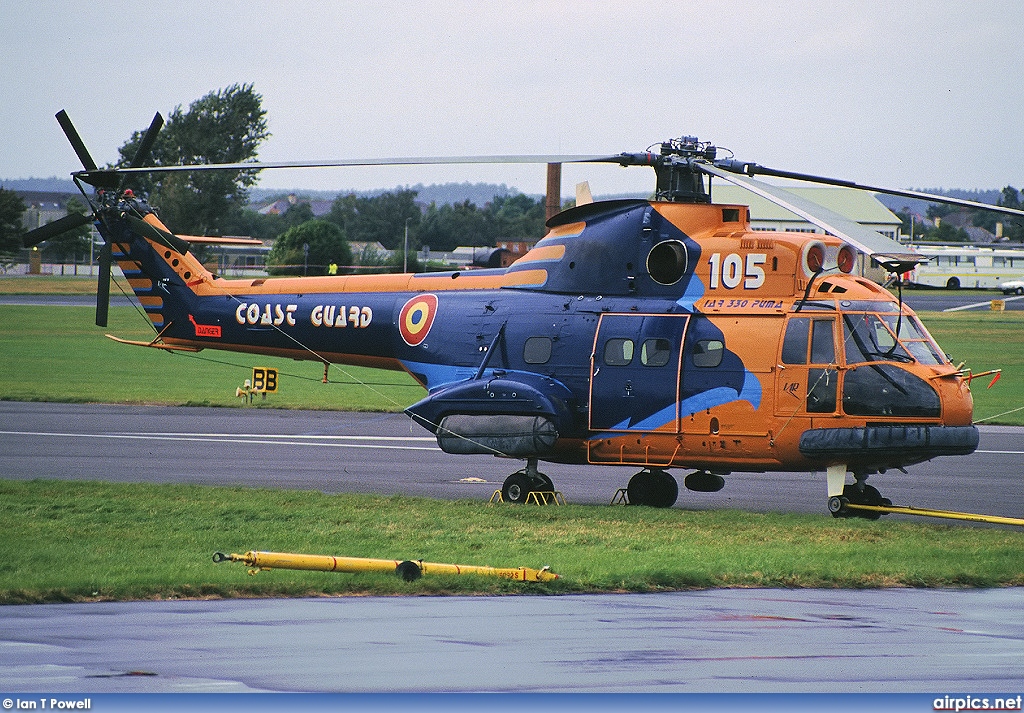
264	379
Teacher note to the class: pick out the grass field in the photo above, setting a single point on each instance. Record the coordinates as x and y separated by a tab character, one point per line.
58	354
47	285
80	541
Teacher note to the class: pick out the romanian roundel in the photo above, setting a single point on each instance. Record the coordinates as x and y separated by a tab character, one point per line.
416	317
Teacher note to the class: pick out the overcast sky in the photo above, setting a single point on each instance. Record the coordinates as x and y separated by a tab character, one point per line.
906	94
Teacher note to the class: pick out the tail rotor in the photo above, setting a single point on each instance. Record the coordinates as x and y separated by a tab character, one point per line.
103	180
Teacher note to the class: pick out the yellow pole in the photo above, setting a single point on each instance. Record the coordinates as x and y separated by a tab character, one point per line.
408	570
948	514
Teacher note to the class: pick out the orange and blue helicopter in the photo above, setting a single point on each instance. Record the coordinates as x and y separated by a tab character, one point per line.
661	334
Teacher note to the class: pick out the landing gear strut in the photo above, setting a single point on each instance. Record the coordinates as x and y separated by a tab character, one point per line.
518	486
859	493
652	487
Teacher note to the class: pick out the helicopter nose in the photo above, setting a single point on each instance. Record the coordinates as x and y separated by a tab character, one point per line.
957	401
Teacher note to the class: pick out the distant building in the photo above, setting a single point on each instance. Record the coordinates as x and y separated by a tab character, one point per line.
517	248
859	206
43	208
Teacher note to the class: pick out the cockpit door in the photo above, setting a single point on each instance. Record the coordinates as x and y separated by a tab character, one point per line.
807	376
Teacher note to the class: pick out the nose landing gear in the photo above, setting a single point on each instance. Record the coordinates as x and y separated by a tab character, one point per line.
858	493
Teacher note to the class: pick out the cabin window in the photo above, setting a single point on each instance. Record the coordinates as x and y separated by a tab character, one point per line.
708	353
655	352
618	352
537	350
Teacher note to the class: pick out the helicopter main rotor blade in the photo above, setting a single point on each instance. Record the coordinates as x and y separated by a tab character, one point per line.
76	141
61	225
753	169
886	251
104	176
146	145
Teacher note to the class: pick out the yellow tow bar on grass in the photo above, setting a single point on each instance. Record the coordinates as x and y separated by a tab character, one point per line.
947	514
408	570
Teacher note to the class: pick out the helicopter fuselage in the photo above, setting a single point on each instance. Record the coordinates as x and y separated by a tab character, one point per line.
660	335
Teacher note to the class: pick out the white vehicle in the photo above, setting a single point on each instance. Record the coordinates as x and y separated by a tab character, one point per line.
968	266
1013	287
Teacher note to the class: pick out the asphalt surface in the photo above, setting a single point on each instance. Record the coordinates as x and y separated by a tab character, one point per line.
715	641
387	453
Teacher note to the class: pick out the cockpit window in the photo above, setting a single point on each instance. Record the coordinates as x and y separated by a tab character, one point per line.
866	338
914	337
822	342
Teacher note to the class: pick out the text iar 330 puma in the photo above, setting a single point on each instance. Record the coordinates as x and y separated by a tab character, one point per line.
662	334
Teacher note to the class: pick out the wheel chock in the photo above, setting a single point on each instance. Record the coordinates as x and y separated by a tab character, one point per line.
537	497
621	497
545	497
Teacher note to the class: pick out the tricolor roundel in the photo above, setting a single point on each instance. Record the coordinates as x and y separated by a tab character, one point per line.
416	317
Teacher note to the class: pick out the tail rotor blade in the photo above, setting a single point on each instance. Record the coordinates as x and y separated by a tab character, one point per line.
76	141
146	146
103	287
50	230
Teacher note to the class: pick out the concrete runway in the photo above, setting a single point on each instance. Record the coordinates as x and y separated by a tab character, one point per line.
717	641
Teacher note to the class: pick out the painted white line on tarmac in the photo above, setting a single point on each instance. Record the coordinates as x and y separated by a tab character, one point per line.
276	435
322	441
986	303
251	440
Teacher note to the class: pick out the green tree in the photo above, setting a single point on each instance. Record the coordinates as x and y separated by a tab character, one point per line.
12	208
1013	226
948	234
516	216
379	219
225	126
918	227
327	244
451	226
74	243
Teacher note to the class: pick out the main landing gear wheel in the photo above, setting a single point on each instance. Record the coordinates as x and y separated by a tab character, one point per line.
652	487
518	486
857	495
